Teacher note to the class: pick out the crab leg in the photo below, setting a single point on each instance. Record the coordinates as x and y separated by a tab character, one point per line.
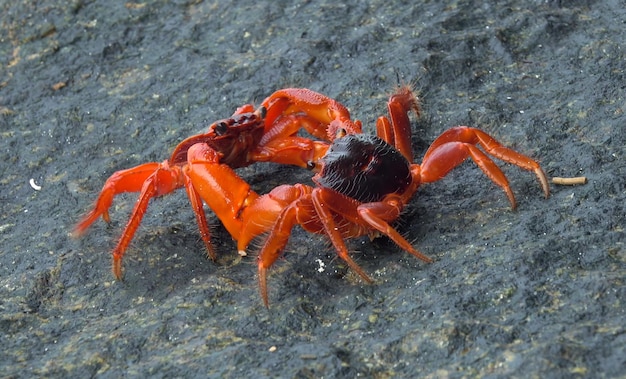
274	245
152	180
277	213
333	233
376	214
130	180
196	205
455	145
397	131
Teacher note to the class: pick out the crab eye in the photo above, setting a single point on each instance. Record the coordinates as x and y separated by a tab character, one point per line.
262	112
310	165
220	128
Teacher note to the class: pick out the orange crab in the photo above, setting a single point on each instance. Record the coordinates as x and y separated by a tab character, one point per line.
204	163
364	182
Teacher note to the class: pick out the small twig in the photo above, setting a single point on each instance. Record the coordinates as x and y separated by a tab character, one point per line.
570	181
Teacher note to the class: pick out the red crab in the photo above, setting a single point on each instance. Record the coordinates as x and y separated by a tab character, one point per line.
364	182
204	163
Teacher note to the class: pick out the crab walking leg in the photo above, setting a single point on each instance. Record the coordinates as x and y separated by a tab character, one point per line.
163	180
326	217
151	180
364	217
196	205
130	180
376	214
472	136
452	147
277	213
451	154
275	245
397	131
